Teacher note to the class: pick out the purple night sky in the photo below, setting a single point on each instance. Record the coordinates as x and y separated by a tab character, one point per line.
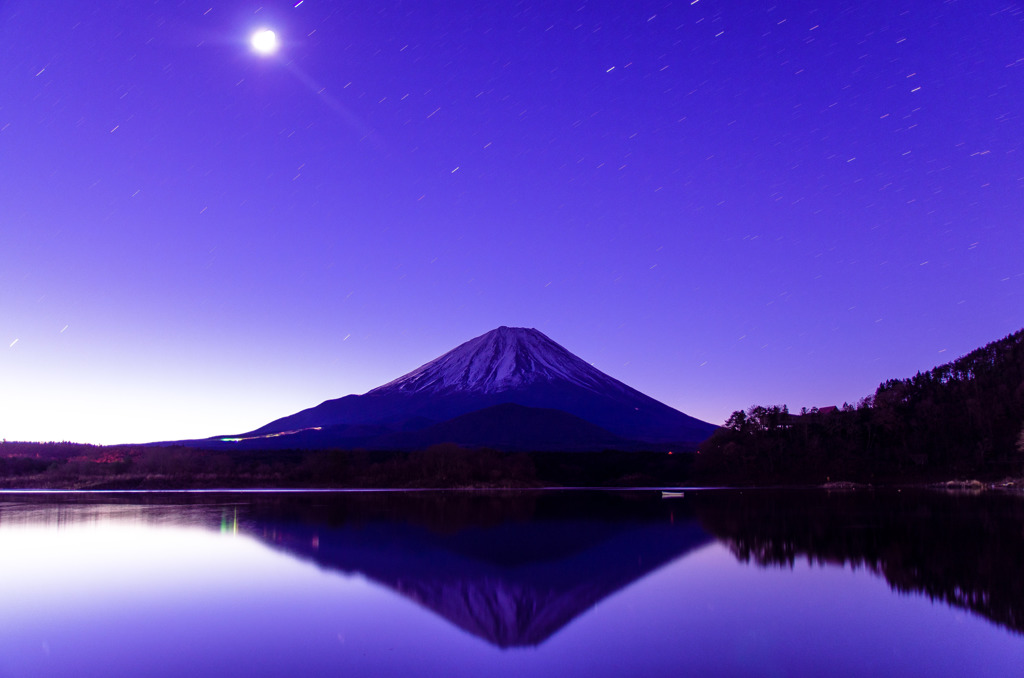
718	203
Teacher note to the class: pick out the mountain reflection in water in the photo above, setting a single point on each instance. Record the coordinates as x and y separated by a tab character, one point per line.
963	549
511	569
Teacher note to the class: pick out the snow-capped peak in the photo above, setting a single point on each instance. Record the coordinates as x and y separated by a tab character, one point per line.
501	360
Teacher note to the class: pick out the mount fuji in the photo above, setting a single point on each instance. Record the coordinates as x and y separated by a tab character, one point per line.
511	388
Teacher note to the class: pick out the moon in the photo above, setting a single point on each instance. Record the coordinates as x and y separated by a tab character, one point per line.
264	41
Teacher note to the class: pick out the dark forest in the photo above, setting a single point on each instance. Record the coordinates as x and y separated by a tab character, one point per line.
964	418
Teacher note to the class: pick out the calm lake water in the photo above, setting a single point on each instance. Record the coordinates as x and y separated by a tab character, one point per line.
476	584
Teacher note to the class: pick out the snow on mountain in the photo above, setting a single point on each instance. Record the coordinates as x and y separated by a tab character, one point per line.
501	360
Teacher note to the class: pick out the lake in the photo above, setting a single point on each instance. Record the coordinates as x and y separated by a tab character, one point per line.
518	583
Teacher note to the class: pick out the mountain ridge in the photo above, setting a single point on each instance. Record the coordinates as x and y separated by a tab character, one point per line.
508	365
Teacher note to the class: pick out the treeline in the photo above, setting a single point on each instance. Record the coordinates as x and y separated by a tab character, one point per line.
440	466
19	459
962	418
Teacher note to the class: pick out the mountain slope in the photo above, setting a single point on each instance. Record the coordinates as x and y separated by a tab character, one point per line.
507	365
511	427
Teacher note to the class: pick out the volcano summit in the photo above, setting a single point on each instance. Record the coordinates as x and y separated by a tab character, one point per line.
511	388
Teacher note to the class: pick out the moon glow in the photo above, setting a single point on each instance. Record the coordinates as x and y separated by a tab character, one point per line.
264	41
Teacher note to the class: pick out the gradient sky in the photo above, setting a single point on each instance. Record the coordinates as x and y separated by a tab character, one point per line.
719	203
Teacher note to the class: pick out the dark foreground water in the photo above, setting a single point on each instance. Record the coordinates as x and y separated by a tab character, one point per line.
519	584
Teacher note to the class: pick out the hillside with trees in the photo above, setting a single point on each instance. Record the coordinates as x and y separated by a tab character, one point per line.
964	418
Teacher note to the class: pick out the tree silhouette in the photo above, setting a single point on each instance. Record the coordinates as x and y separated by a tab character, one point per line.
963	417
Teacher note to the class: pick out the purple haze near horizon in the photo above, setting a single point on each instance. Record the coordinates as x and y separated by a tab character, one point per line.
719	204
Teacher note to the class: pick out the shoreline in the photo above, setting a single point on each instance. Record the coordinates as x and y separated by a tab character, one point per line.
168	485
